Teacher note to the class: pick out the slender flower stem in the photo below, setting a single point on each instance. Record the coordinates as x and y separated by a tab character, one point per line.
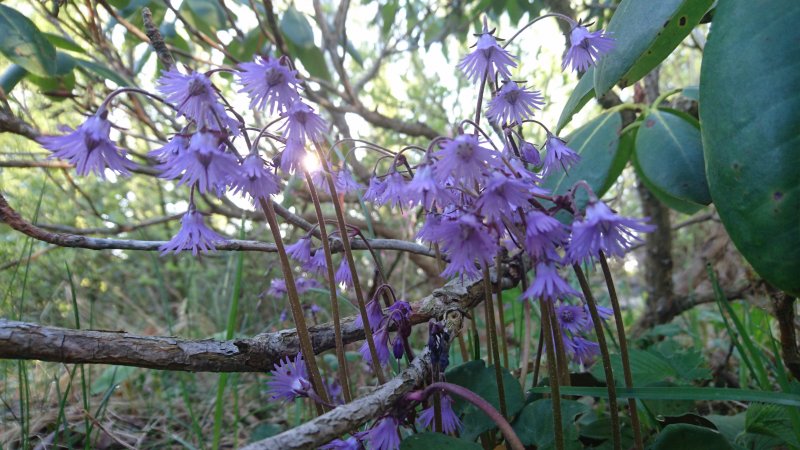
480	101
505	428
348	251
601	341
623	348
134	90
558	340
538	362
556	15
526	344
501	313
294	301
492	334
337	327
552	372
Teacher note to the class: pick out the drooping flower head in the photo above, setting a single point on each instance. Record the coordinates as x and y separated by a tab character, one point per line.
381	340
277	288
293	155
343	274
177	145
194	235
317	263
450	421
374	315
269	83
601	229
395	191
89	148
302	122
195	98
463	158
583	351
375	190
585	47
384	435
487	59
300	251
503	195
344	182
255	180
204	164
548	284
289	379
574	319
424	189
542	235
558	156
514	103
465	240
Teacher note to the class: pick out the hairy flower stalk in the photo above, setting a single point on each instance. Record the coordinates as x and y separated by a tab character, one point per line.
348	251
344	380
616	434
623	349
294	301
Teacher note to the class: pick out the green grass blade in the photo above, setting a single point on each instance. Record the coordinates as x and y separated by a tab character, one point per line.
683	393
84	391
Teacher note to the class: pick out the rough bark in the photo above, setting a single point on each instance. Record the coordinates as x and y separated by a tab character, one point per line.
20	340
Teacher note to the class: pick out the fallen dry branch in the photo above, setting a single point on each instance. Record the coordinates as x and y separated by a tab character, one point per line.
21	340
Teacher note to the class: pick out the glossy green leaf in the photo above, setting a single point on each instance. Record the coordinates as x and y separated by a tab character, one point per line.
11	76
102	71
534	426
205	15
61	85
669	153
671	202
646	32
690	437
24	44
313	60
598	144
296	28
750	92
429	441
64	43
475	376
691	92
584	90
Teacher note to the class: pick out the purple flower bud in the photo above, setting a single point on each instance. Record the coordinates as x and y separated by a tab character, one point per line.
530	153
397	347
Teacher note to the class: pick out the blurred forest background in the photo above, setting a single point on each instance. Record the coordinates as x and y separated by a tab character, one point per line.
402	88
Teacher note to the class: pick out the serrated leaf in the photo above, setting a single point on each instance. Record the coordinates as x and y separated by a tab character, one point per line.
771	420
23	44
690	437
428	441
750	97
669	153
598	144
296	28
584	90
645	33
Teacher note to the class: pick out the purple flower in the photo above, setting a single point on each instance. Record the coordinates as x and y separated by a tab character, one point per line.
375	190
548	284
317	263
450	421
89	148
464	240
384	435
343	274
203	164
574	319
269	83
196	99
304	284
558	156
255	180
514	103
397	347
350	443
583	351
289	379
429	230
542	234
176	146
381	340
601	229
193	234
604	312
395	190
426	190
344	182
585	48
502	196
300	251
302	122
487	58
277	288
293	155
464	159
374	315
530	153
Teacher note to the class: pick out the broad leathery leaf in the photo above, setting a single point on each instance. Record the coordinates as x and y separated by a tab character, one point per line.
669	201
429	441
750	97
205	15
670	155
534	426
584	90
690	437
23	44
598	143
64	43
58	87
475	376
103	72
646	32
296	28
